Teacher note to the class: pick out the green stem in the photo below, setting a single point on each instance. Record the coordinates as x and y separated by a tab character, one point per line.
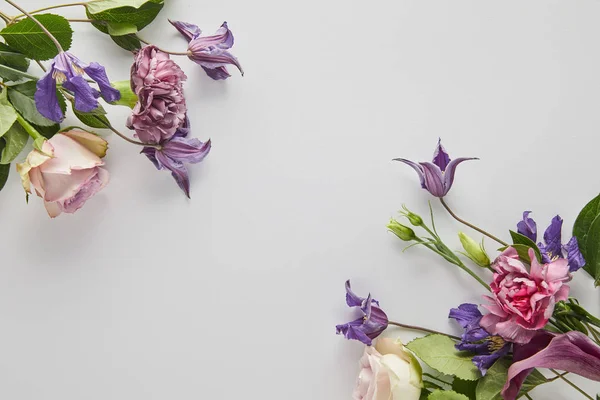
418	328
574	386
462	221
42	27
50	8
593	332
29	128
528	396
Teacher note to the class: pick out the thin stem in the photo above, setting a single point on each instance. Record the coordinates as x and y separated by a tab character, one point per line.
528	396
81	20
175	53
50	8
462	221
557	377
5	17
41	65
574	386
42	27
418	328
593	332
436	378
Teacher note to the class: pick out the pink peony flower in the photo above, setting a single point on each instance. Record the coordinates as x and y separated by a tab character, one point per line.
68	171
388	372
161	109
523	301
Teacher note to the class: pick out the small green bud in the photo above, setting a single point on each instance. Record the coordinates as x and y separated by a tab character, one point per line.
403	232
474	250
414	219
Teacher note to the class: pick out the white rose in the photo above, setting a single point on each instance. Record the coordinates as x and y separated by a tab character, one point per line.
388	372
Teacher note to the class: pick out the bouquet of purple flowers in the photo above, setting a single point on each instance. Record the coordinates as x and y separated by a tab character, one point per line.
527	321
66	167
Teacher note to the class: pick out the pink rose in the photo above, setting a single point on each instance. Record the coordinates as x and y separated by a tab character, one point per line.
67	173
161	108
388	372
524	300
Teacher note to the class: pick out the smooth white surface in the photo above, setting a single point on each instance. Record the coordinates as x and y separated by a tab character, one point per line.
234	295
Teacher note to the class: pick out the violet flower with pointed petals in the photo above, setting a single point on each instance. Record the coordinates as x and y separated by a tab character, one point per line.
210	52
176	152
571	352
68	70
477	340
370	325
552	247
437	176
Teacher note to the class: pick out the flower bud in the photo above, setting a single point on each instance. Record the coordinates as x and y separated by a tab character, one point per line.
414	219
474	250
403	232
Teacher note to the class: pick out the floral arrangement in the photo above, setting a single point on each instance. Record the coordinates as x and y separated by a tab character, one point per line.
65	166
527	321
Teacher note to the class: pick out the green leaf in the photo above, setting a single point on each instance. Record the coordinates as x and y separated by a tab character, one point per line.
121	28
581	230
16	139
12	60
592	255
93	119
127	42
135	12
465	387
490	386
524	240
6	72
22	98
96	6
128	98
439	353
4	169
535	378
446	395
8	115
28	38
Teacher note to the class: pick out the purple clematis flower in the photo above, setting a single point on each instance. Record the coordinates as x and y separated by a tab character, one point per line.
477	340
177	151
370	325
437	176
571	352
552	247
210	52
68	70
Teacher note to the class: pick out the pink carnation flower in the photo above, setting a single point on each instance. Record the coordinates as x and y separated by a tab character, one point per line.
523	301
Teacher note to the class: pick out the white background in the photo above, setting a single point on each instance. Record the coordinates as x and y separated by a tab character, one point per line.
235	294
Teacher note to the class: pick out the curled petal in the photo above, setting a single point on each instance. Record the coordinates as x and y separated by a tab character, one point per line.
46	100
466	314
451	168
98	74
222	39
186	150
416	167
85	96
574	256
440	157
434	179
552	237
189	31
527	227
178	171
213	57
352	299
218	74
572	352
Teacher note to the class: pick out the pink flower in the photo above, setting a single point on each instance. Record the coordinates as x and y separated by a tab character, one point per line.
388	372
524	300
67	173
161	109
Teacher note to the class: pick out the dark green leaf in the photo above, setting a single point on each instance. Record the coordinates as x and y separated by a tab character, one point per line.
127	42
8	115
465	387
92	119
592	256
21	97
16	139
28	38
581	230
446	395
524	240
137	12
12	60
9	73
47	131
4	169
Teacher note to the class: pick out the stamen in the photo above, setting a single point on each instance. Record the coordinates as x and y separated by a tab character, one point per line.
58	76
495	343
77	68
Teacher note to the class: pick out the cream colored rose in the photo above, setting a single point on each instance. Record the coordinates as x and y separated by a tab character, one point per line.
388	372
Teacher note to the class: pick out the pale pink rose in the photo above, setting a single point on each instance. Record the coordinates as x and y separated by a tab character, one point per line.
388	372
523	301
67	173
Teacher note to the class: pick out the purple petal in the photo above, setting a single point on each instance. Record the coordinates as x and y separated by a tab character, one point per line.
85	95
222	39
178	171
571	352
440	157
574	256
353	331
218	74
434	179
46	100
184	129
98	74
416	167
552	237
214	58
485	361
186	150
189	31
450	169
466	314
527	227
150	152
352	299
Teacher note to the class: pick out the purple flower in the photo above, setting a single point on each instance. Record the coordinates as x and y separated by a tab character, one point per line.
552	247
177	151
571	352
437	176
371	323
68	70
477	340
210	52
